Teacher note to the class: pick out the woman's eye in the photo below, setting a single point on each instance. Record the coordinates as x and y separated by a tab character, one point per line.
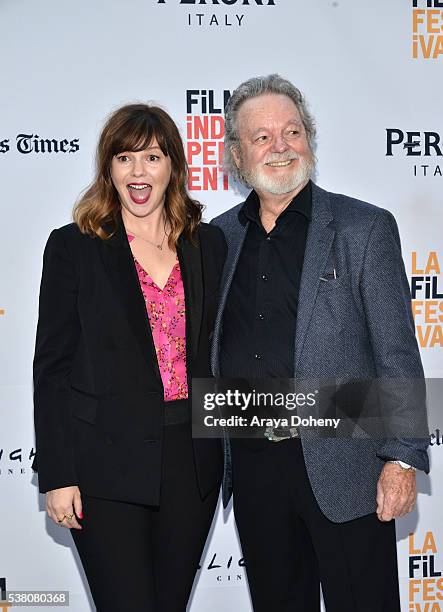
122	158
153	158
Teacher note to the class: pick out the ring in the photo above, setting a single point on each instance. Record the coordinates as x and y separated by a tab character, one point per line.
69	517
62	519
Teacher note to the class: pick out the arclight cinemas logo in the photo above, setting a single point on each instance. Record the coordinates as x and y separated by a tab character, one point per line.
224	568
415	144
15	462
207	18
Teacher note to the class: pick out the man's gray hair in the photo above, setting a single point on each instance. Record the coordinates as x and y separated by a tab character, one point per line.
252	88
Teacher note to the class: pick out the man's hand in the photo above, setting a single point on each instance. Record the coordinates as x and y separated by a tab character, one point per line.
64	506
396	492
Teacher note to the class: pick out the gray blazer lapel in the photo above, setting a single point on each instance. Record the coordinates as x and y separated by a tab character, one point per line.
235	235
318	245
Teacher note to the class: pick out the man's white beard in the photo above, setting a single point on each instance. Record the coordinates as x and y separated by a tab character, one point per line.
260	181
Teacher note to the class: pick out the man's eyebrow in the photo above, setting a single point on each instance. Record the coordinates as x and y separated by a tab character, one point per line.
297	122
260	129
290	122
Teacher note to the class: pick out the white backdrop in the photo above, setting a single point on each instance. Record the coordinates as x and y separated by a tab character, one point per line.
65	66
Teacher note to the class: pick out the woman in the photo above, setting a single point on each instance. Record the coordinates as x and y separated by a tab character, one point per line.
127	303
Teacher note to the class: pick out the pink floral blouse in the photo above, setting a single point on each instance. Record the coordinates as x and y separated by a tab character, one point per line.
166	311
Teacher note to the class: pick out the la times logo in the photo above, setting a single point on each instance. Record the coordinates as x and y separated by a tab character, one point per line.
32	143
416	144
436	438
204	18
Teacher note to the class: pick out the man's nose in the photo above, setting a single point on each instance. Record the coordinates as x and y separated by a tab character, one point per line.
279	144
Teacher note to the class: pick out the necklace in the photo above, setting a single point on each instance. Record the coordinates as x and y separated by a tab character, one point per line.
159	245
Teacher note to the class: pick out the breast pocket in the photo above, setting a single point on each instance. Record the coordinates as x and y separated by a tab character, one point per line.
336	306
332	284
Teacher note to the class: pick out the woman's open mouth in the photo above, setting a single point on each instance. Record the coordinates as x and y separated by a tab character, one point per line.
139	192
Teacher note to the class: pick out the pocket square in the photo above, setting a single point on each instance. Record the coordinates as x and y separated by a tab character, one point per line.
329	276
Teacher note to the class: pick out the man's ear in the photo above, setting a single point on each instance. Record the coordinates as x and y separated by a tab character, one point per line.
235	151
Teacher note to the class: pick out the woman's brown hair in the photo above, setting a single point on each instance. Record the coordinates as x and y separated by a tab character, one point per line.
132	128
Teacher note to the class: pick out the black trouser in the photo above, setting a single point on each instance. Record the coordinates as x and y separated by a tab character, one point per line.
290	547
141	558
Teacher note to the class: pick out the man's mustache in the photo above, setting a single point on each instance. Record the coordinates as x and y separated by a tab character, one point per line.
277	157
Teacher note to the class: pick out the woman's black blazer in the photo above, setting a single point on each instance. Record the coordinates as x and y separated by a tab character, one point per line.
98	394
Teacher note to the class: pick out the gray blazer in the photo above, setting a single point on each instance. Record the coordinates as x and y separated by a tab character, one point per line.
357	326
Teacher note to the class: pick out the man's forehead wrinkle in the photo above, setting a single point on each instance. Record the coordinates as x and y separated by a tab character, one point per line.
263	116
250	123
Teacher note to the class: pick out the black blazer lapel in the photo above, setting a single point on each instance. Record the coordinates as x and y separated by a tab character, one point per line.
189	256
235	236
119	263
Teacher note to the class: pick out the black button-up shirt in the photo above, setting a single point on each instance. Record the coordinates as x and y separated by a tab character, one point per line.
259	320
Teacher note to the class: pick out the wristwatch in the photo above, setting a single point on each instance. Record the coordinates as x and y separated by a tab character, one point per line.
402	464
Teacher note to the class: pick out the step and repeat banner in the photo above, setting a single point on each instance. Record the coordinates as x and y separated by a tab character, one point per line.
372	73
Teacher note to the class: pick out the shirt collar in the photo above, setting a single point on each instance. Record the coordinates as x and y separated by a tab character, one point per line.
301	204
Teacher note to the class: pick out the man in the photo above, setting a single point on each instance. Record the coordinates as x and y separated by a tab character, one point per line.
314	288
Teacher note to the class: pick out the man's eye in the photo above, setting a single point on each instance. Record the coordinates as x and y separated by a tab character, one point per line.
293	132
261	138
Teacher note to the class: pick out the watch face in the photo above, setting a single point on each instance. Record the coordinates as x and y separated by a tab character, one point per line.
402	464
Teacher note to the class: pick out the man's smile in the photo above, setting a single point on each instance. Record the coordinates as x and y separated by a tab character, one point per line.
280	164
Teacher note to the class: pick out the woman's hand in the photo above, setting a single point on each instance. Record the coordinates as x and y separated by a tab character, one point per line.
64	506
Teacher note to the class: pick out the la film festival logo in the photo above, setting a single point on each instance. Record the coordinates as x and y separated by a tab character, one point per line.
414	145
205	130
425	581
427	29
208	12
427	299
33	143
